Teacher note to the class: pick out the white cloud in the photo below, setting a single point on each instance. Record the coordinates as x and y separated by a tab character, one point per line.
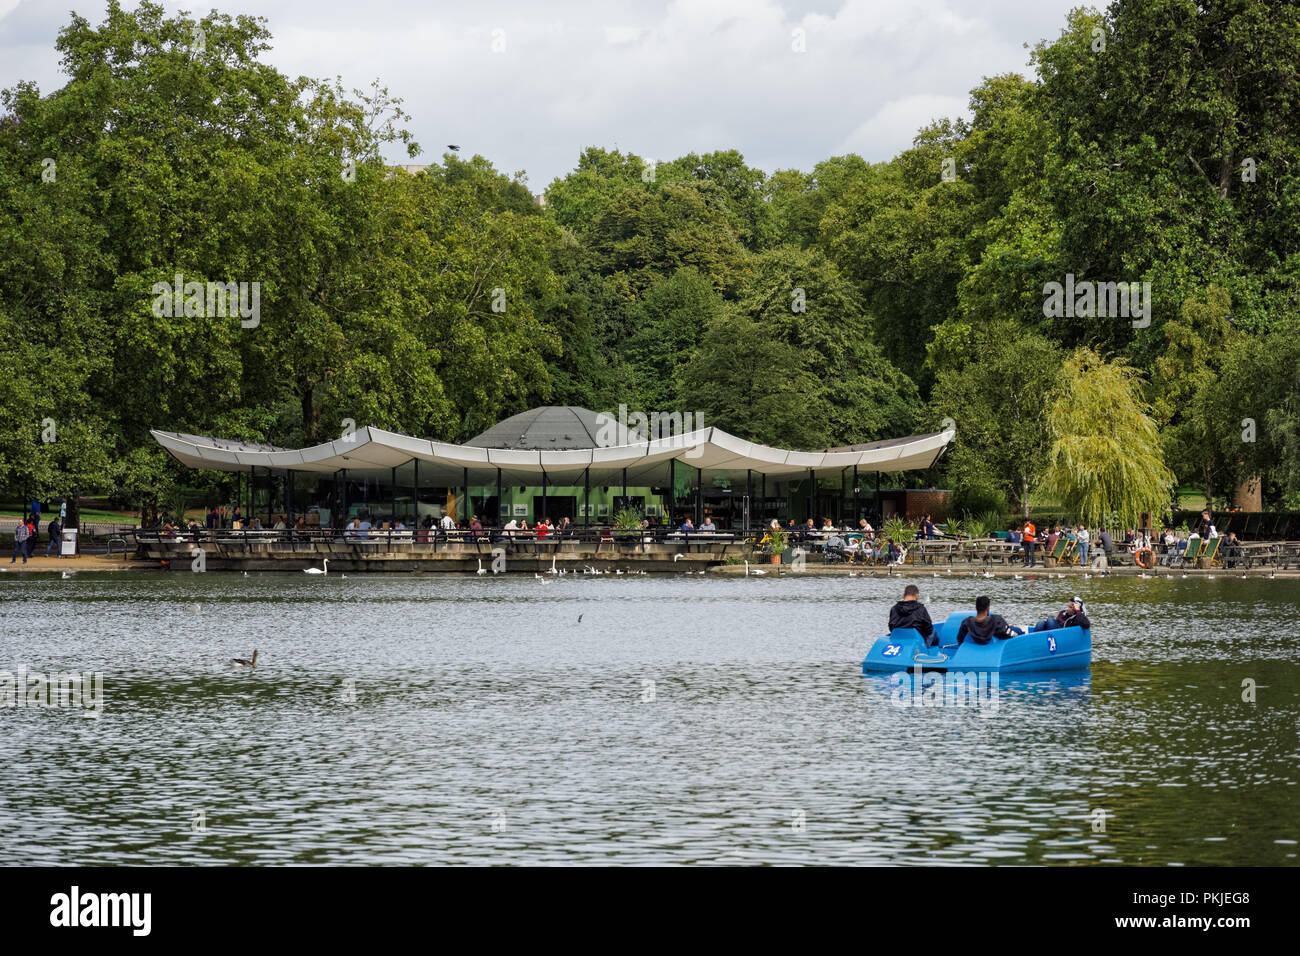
658	78
893	126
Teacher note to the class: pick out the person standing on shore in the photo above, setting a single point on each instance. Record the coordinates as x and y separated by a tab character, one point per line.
56	532
1081	537
1030	543
20	541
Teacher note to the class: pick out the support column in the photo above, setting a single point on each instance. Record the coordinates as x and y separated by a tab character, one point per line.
879	514
624	487
345	497
465	509
672	491
749	496
857	504
812	497
543	515
699	497
498	522
392	515
415	496
586	497
844	494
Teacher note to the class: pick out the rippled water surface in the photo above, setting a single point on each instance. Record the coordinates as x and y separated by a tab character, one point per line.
436	718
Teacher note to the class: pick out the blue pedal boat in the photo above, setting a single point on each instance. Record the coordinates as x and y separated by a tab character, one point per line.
1061	649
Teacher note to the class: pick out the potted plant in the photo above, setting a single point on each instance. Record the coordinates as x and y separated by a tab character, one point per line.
627	527
779	539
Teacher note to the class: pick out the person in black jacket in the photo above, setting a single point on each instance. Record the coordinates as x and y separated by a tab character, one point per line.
1072	616
983	627
910	612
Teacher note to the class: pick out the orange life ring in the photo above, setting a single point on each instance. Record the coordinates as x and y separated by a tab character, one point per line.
1148	562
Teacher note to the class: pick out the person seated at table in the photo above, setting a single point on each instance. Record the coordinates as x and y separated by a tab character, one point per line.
1072	616
1013	539
910	612
707	524
1231	549
686	526
543	528
865	527
1052	538
891	551
363	529
983	627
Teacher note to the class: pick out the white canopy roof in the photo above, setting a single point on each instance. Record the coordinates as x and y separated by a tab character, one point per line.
710	449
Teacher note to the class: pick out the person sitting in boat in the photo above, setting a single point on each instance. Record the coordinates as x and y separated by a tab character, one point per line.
983	627
1072	616
910	612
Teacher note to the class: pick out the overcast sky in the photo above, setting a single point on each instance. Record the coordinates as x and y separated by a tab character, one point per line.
530	83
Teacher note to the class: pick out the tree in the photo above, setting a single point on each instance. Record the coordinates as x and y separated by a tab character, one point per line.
670	321
751	383
801	298
1104	463
998	399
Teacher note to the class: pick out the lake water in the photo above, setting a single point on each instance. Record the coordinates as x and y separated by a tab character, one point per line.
436	719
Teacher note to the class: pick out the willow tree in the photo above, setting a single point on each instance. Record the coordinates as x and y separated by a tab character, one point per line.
1104	462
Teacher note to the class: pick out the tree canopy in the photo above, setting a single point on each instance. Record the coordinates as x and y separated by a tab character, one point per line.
1155	143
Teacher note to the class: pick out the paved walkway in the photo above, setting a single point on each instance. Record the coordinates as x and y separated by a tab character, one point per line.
83	562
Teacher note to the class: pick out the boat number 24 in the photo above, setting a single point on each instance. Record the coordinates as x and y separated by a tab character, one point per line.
1051	645
891	650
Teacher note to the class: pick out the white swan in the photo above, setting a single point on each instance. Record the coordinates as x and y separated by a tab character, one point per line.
324	570
481	569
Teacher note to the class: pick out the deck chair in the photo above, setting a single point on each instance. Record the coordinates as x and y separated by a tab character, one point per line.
1211	553
1058	551
1195	548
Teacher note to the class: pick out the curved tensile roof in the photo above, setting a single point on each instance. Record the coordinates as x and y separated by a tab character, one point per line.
711	450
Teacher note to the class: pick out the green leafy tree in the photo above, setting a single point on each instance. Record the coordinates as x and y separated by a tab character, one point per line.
1105	462
998	400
